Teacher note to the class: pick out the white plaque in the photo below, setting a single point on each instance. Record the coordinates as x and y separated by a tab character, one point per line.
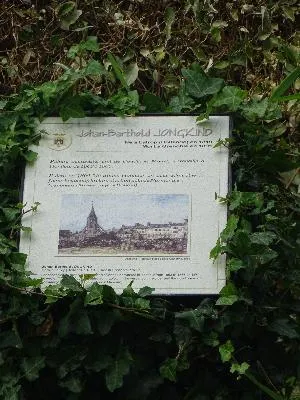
129	199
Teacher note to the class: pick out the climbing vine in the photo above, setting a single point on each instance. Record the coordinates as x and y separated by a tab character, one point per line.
76	340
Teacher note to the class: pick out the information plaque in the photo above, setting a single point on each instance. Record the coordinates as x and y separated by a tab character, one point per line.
129	199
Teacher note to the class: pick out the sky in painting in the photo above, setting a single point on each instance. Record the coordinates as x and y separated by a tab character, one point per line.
113	211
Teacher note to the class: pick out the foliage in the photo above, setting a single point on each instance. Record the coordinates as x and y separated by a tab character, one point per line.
251	44
77	340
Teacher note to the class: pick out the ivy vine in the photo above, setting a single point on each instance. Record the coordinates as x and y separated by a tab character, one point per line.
78	341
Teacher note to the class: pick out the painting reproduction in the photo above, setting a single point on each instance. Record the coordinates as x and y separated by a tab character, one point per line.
119	224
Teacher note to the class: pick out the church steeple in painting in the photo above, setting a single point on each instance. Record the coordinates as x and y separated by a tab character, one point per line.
92	221
92	227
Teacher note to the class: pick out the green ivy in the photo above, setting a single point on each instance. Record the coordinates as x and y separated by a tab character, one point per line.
77	340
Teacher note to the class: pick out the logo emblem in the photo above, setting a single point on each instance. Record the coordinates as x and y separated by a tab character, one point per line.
59	141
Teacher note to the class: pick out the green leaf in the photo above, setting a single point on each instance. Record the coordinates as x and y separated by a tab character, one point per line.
211	339
30	156
255	109
152	103
73	383
181	102
226	350
71	108
91	44
70	283
68	14
195	318
117	370
141	304
227	300
239	368
3	104
168	369
54	293
216	250
246	199
229	289
231	97
10	339
31	367
198	85
125	103
264	238
169	20
285	84
11	213
97	294
94	295
145	291
99	362
284	327
235	264
229	295
76	321
266	256
230	228
69	359
105	319
131	73
117	70
94	68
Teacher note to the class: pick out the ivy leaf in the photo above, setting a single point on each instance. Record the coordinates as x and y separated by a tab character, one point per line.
10	339
230	228
105	319
91	44
227	300
68	14
230	96
70	283
169	20
235	264
69	359
267	256
239	368
97	294
152	103
226	350
131	73
255	109
229	295
168	369
284	327
145	291
3	104
11	213
76	321
117	70
73	383
71	108
198	85
195	318
216	250
99	363
94	68
117	370
30	156
181	102
141	304
31	367
53	293
263	238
